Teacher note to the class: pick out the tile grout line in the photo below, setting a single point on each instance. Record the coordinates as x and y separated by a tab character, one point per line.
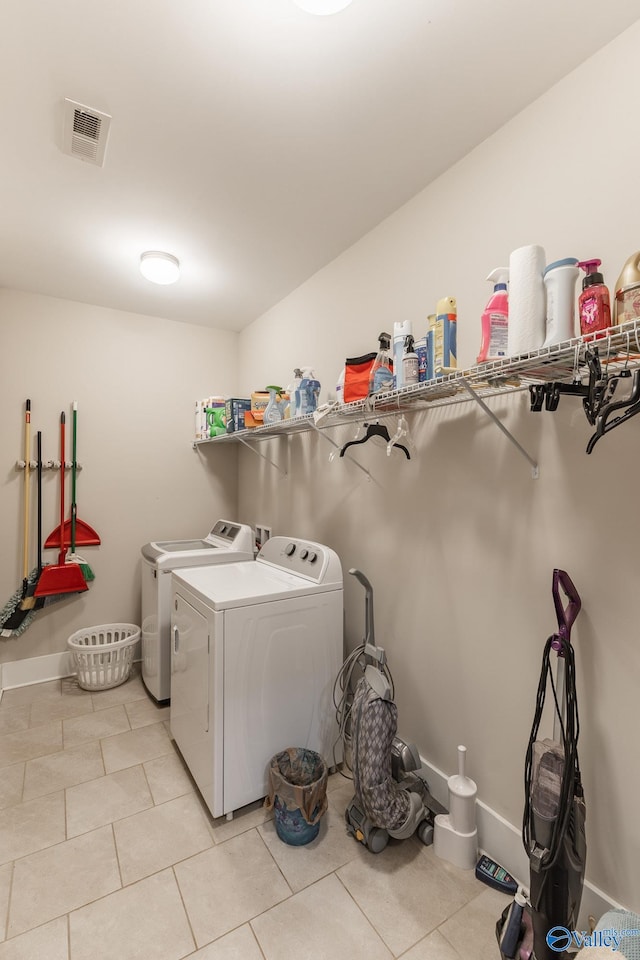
115	850
255	937
184	906
291	892
365	917
9	898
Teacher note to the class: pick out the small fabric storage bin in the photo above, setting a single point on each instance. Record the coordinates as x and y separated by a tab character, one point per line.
356	377
103	655
298	794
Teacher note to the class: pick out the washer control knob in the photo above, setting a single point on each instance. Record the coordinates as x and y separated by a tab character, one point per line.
290	549
304	554
313	557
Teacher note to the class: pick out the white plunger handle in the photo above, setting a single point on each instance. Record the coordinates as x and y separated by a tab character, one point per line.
461	756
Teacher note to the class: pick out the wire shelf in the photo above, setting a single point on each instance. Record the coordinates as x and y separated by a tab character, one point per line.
566	362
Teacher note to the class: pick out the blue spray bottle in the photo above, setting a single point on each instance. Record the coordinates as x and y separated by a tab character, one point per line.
309	392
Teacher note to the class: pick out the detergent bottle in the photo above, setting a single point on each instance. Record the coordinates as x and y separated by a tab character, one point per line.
495	319
381	373
593	303
309	392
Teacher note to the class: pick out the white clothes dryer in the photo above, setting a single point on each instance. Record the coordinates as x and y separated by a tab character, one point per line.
227	542
255	651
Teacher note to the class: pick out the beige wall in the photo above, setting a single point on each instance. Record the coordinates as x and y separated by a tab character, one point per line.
135	379
460	543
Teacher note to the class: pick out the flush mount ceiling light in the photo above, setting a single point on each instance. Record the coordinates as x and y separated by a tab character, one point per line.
159	267
322	8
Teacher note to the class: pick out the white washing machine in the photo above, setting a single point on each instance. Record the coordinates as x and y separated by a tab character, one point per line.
255	651
227	542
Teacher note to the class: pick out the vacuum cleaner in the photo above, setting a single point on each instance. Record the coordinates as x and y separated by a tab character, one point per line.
553	827
392	798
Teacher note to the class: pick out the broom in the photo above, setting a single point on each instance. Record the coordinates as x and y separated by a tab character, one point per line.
61	578
31	602
74	557
14	617
85	535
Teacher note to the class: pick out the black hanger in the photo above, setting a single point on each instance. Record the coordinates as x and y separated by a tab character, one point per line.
375	430
604	423
593	394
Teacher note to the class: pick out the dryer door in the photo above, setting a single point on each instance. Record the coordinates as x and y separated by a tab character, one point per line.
280	663
189	717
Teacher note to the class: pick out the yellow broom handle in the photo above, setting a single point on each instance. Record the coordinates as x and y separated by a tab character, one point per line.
27	475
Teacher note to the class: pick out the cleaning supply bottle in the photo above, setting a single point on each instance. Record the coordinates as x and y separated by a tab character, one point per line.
410	363
512	930
381	374
593	303
445	336
560	285
495	319
400	333
627	294
309	392
274	411
294	392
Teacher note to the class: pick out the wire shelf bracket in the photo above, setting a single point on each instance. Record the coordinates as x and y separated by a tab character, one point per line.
535	470
255	450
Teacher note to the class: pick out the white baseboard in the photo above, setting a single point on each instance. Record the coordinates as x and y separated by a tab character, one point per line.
53	666
22	673
502	841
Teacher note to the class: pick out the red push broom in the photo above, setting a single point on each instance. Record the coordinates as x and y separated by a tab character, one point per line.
61	577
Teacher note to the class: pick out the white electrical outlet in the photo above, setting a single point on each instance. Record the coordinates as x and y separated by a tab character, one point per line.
263	533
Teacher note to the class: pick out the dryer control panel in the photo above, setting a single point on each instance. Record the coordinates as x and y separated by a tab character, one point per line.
304	558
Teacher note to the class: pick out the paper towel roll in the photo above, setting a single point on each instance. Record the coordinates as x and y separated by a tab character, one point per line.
527	301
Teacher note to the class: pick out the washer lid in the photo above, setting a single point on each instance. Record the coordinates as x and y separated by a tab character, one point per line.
242	584
226	542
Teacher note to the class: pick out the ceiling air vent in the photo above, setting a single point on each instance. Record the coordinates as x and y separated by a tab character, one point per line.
85	132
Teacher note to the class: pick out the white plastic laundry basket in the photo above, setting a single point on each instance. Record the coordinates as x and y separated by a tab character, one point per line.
103	655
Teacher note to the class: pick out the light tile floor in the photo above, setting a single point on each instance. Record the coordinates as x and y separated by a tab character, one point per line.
107	852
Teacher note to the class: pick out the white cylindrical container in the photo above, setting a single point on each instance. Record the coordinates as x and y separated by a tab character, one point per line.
462	798
560	283
527	300
455	836
400	332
